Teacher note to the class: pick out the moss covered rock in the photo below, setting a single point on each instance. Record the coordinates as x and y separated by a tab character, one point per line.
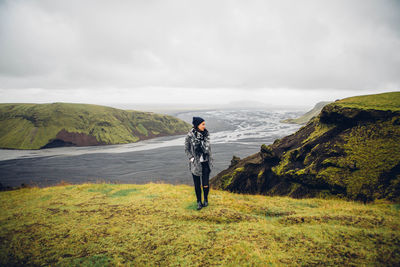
350	150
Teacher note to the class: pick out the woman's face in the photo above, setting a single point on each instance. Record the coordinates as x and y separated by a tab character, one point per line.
202	126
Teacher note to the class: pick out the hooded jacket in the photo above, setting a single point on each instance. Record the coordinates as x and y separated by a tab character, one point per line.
194	148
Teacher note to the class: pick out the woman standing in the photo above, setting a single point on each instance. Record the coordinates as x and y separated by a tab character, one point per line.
198	150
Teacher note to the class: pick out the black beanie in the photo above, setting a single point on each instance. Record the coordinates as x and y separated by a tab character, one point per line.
196	121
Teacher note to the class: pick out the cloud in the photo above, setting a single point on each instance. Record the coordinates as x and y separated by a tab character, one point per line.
240	45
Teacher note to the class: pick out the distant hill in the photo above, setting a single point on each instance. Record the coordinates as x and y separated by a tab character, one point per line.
35	126
309	115
350	150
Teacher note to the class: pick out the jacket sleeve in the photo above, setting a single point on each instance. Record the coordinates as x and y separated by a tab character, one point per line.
188	147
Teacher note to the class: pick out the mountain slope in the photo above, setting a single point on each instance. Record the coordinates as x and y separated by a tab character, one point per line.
309	115
157	224
35	126
351	149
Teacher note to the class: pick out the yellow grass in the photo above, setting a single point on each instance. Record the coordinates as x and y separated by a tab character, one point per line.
158	224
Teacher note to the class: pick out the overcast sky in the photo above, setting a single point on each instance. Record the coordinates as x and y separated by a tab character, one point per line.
197	52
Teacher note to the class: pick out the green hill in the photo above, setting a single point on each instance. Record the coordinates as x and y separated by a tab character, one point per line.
351	150
385	101
157	224
309	115
35	126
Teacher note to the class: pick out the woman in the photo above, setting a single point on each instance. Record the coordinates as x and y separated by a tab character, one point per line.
198	151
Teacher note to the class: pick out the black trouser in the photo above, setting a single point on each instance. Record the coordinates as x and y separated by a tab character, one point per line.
204	177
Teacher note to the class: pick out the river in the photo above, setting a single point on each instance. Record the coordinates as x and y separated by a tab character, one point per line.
232	132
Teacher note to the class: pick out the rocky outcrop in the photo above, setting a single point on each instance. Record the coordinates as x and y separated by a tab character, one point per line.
346	152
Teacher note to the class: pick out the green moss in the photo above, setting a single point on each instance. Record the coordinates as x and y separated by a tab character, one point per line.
293	188
227	179
283	164
260	174
392	192
370	149
240	169
142	130
333	175
319	130
300	172
266	147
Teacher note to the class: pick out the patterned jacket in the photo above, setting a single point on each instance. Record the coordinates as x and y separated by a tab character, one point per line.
190	149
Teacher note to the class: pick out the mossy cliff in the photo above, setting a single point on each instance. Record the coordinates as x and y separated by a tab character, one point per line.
35	126
350	150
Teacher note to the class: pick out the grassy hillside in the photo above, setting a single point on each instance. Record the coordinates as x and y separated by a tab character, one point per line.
34	126
158	224
351	150
309	115
384	101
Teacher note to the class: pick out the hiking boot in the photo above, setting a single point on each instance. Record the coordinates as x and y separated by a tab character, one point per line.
205	204
199	205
